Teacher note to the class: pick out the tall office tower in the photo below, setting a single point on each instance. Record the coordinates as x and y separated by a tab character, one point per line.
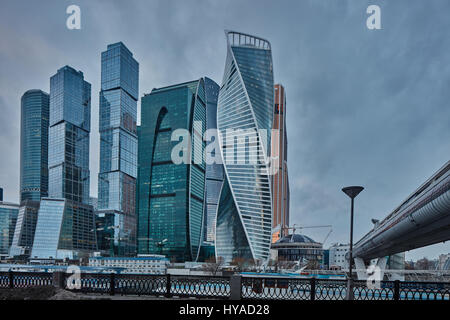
280	181
118	151
245	107
70	124
1	194
65	224
214	171
8	218
171	178
34	145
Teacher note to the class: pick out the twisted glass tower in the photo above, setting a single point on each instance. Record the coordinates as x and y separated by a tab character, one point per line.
245	113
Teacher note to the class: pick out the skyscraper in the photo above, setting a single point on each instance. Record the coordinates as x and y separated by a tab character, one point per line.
171	194
65	224
245	104
8	218
280	181
70	124
118	150
34	145
214	171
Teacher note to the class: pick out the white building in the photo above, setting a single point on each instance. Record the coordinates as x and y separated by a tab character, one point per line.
337	256
146	264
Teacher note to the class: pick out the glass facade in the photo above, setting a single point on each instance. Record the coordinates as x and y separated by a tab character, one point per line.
171	196
64	229
118	149
280	180
246	99
214	171
34	145
70	113
25	229
8	218
65	223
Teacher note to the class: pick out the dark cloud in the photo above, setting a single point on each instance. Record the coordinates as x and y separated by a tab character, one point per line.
365	107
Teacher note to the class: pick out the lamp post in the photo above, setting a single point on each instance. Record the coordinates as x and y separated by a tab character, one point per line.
352	192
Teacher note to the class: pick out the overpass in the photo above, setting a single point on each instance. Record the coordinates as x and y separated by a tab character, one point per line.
422	219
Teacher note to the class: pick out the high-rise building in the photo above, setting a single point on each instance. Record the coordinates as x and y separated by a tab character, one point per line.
280	181
1	194
70	124
245	105
171	191
34	145
118	151
8	218
214	171
65	227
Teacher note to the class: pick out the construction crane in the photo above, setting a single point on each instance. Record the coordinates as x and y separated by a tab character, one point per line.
296	226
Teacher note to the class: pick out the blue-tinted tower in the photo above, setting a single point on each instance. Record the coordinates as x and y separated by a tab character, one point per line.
171	206
65	227
118	151
70	116
34	145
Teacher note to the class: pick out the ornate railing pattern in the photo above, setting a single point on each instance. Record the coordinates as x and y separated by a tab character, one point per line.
25	279
200	286
424	290
273	288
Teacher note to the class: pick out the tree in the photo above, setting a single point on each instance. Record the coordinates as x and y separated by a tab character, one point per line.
213	265
240	263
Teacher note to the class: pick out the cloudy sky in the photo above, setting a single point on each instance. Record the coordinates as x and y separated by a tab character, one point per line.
366	107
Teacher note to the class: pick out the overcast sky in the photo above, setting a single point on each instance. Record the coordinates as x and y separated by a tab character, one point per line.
366	107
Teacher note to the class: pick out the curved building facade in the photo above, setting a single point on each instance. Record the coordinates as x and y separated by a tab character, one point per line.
34	145
244	120
170	194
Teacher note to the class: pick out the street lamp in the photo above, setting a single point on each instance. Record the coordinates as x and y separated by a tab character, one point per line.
352	192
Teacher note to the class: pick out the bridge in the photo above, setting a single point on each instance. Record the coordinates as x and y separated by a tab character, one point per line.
421	220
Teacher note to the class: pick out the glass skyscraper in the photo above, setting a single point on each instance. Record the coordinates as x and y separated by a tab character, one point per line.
70	124
171	197
280	180
8	218
246	99
118	151
65	226
214	171
34	145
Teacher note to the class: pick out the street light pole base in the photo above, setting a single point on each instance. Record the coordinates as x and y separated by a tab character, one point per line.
349	294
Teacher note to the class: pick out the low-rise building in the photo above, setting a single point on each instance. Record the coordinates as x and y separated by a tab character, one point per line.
298	248
337	254
145	264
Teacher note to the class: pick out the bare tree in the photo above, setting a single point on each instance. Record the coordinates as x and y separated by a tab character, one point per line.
240	263
213	265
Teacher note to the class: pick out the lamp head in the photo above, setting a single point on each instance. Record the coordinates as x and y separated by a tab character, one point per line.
352	191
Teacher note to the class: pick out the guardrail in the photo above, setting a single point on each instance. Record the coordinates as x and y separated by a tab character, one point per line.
234	287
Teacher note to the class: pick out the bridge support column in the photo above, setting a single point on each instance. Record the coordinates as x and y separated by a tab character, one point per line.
374	271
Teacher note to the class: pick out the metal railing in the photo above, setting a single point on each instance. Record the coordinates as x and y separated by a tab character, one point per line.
220	287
